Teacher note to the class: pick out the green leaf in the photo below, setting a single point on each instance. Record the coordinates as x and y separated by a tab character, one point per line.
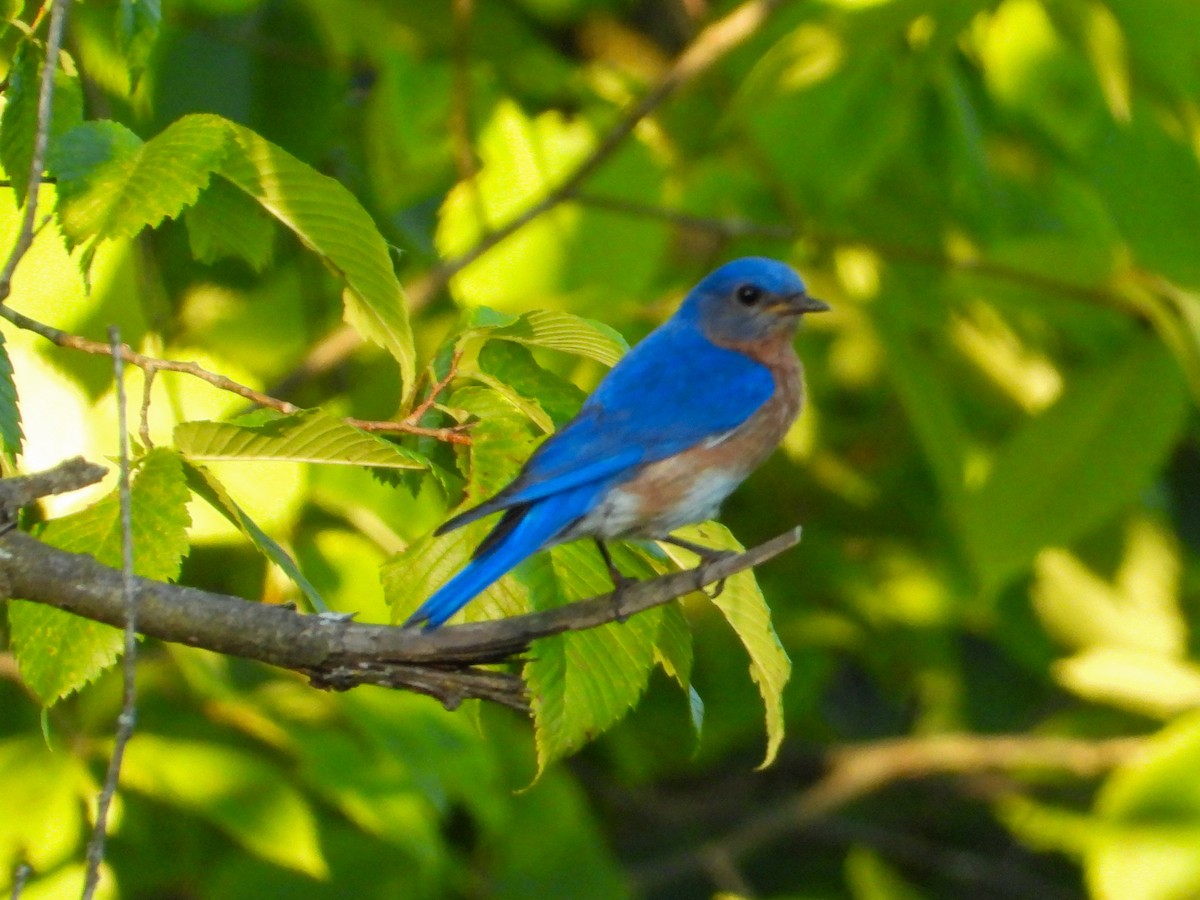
1156	215
225	222
745	609
924	392
138	24
510	368
410	576
59	653
247	798
112	185
1067	470
501	441
205	485
11	435
553	330
330	221
18	124
581	683
1149	818
308	436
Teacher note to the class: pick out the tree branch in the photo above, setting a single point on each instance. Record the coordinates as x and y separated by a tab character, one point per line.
444	664
857	770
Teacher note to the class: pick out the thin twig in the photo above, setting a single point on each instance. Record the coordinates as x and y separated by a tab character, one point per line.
58	19
128	717
856	770
152	365
69	475
20	876
414	417
144	414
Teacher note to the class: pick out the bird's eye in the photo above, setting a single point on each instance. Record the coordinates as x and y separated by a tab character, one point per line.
748	294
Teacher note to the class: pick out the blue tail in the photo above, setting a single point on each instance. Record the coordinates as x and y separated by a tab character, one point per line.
507	546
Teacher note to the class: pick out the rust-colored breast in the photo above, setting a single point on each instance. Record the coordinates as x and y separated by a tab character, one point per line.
690	486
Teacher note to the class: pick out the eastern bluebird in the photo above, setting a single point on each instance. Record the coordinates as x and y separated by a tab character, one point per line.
674	427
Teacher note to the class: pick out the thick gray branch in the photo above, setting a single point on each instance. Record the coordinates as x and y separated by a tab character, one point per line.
339	654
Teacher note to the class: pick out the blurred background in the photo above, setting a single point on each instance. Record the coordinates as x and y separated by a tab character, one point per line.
993	615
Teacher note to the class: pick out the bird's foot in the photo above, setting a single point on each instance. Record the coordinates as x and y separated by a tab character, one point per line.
707	555
620	582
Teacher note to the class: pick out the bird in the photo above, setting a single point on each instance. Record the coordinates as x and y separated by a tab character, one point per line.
672	429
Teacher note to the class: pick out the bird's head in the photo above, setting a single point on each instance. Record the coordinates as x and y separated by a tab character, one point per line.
750	300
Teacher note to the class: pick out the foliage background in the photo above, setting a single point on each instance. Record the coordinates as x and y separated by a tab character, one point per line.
998	471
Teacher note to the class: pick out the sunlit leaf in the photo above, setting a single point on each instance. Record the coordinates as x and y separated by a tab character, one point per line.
308	436
1149	813
204	484
240	793
566	332
742	604
112	185
330	221
59	653
1150	684
45	785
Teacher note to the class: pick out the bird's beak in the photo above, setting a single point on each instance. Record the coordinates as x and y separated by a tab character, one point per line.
797	304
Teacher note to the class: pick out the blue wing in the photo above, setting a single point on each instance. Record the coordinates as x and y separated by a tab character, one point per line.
672	391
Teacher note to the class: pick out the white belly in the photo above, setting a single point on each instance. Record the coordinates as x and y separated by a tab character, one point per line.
625	513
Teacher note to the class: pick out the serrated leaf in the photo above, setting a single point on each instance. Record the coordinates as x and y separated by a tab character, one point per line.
138	24
18	125
409	577
330	221
59	653
745	609
1068	469
205	485
511	369
501	441
112	185
241	794
308	436
581	683
11	435
552	329
225	222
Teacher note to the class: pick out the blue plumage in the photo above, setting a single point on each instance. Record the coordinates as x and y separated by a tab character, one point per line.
701	377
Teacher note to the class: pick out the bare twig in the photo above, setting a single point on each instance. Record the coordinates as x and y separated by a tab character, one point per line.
436	390
444	664
128	715
20	875
856	770
152	365
24	490
58	19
